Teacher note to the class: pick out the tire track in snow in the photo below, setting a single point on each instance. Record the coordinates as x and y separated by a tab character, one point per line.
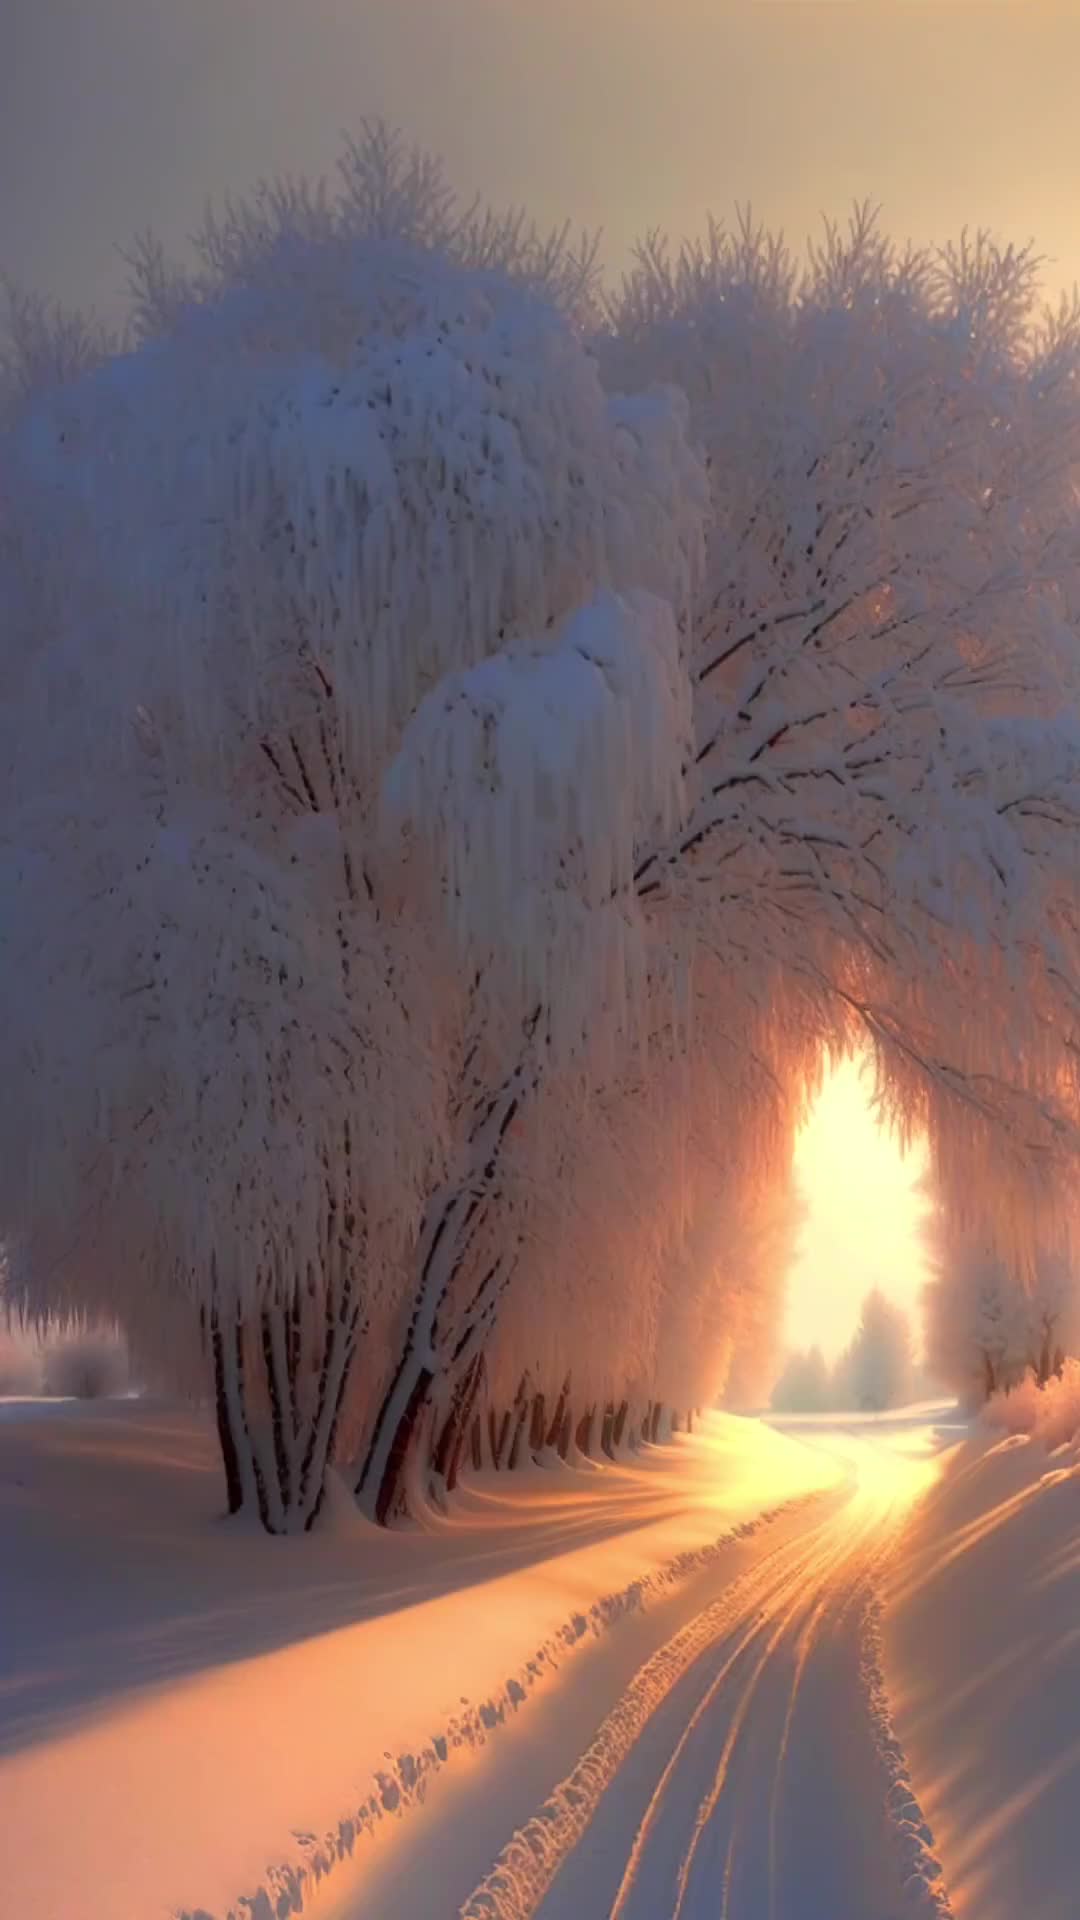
822	1570
920	1869
288	1887
789	1582
528	1865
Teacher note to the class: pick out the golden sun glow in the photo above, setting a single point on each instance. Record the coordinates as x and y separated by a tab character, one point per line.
863	1213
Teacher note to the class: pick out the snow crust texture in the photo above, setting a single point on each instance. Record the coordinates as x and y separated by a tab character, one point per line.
924	1889
403	1784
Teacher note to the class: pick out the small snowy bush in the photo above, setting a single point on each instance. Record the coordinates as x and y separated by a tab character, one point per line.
1050	1413
87	1364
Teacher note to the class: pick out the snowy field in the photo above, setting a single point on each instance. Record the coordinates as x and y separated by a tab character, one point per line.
983	1654
183	1700
615	1689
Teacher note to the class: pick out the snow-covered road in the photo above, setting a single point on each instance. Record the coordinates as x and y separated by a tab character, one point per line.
741	1775
645	1688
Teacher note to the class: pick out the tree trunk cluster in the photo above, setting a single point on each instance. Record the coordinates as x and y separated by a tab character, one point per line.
279	1386
278	1407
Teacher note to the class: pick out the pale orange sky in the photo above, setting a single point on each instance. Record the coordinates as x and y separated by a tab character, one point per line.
118	114
862	1229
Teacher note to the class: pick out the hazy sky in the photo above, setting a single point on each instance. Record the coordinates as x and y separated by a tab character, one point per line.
864	1217
118	114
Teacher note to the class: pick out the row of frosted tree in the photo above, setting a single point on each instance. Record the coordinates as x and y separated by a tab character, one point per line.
991	1321
874	1372
475	742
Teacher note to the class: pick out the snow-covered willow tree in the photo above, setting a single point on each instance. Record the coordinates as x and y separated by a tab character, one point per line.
803	1385
655	1222
356	489
764	1253
884	791
878	1366
990	1320
885	774
883	794
470	749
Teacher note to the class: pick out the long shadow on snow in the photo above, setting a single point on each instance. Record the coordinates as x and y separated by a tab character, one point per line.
119	1573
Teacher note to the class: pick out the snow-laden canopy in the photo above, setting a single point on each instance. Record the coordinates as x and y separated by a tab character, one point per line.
471	751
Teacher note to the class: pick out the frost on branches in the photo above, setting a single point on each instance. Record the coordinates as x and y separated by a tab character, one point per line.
991	1320
245	558
473	748
884	658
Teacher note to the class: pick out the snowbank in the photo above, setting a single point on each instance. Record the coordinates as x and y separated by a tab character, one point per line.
913	1840
982	1659
204	1715
1050	1413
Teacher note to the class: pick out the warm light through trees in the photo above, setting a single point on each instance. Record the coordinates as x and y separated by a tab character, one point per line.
476	747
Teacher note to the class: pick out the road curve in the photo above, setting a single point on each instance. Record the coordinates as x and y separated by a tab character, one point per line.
742	1776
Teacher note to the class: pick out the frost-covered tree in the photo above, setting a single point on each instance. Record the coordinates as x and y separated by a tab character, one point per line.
882	794
341	694
642	1266
1053	1317
649	1246
456	793
878	1362
803	1385
85	1363
884	788
975	1320
991	1318
762	1257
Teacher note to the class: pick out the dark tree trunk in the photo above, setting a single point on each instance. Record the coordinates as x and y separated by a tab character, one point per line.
453	1466
445	1442
295	1328
467	1421
537	1430
1046	1352
619	1427
276	1431
654	1422
584	1434
404	1435
317	1504
385	1414
517	1446
566	1434
239	1450
554	1433
499	1438
452	1220
477	1444
343	1317
282	1416
234	1489
519	1415
607	1444
451	1441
